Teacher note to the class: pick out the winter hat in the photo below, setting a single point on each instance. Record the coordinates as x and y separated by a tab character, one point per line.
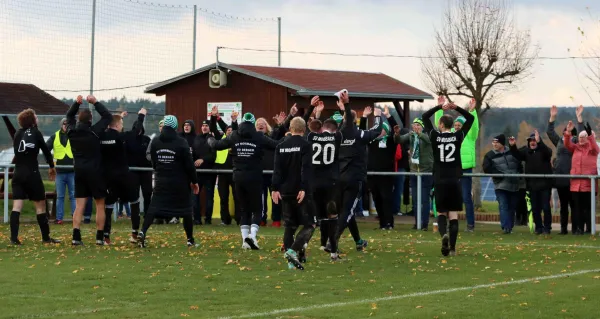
170	121
461	120
419	121
161	122
337	117
531	137
207	122
249	117
500	139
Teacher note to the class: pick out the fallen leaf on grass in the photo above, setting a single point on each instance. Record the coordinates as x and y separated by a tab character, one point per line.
96	287
549	293
564	310
75	271
583	298
193	307
184	315
31	266
145	292
523	304
277	287
303	294
214	289
373	306
444	261
419	307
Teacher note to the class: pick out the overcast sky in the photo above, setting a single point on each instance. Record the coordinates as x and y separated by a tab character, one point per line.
49	43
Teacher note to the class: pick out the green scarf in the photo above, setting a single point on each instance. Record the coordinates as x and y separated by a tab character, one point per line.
383	139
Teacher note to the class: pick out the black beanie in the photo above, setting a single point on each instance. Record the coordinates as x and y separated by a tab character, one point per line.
500	139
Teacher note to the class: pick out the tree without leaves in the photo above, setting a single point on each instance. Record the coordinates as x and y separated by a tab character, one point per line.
478	51
590	47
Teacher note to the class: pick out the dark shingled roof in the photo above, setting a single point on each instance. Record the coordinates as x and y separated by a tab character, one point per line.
318	82
15	97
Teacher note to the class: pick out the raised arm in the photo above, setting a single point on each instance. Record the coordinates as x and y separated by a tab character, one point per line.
138	125
105	119
221	144
470	119
213	127
374	132
72	112
550	130
592	141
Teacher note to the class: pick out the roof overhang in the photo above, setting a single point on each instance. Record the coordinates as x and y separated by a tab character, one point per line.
391	96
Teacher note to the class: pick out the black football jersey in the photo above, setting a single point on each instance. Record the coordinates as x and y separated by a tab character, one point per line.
325	152
447	166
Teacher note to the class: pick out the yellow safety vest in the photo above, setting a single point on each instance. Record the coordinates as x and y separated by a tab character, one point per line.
59	150
222	155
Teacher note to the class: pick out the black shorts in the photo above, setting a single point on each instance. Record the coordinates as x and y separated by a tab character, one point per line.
448	197
123	188
28	185
295	214
89	183
326	202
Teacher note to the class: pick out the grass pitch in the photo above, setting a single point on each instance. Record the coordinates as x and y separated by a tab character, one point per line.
401	275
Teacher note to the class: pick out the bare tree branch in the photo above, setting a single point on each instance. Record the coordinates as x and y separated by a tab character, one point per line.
481	51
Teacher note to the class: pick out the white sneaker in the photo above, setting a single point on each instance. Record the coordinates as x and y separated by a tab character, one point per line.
245	246
252	243
322	248
174	220
366	213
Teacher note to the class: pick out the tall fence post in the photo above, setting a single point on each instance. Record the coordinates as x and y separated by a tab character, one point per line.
93	44
6	194
593	207
278	41
194	41
419	201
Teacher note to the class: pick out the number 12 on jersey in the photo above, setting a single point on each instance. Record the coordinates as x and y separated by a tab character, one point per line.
447	152
323	154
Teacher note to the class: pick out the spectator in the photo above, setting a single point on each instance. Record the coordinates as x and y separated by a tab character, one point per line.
381	153
65	177
401	165
585	154
500	160
204	158
136	146
421	161
468	160
537	157
562	166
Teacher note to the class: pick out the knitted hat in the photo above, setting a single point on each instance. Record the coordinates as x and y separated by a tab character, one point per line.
461	120
161	122
248	117
170	121
419	121
500	139
207	122
337	117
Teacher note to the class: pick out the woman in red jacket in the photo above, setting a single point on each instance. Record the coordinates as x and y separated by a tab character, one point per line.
585	154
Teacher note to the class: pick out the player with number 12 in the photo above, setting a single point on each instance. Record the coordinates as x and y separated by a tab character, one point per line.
447	170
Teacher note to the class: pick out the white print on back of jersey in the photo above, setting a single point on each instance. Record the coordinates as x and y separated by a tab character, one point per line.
289	150
110	142
348	142
446	139
245	149
328	152
447	152
323	138
165	156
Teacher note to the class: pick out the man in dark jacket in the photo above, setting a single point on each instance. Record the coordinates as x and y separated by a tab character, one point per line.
537	157
247	145
204	158
189	133
136	146
87	156
175	181
500	160
562	166
382	155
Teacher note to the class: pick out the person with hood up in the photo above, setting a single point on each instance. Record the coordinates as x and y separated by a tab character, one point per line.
585	153
247	145
562	166
537	157
204	158
223	160
136	145
175	181
500	160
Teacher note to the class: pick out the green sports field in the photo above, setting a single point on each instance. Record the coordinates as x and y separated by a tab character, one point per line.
400	275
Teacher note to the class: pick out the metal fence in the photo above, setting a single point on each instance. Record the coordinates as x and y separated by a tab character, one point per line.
592	178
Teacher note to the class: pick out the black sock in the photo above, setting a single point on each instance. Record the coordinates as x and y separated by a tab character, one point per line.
108	222
148	219
324	227
14	225
135	217
303	237
353	228
288	237
100	235
453	233
333	225
443	224
76	234
188	226
42	220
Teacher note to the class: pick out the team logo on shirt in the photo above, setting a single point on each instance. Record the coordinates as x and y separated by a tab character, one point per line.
23	146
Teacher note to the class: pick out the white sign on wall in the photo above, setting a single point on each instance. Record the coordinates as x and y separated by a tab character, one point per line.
225	110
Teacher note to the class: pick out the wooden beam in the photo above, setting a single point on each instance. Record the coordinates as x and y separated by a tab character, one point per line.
407	112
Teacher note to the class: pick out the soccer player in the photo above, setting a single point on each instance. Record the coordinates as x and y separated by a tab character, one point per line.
120	181
353	166
291	185
27	181
247	145
87	156
447	170
175	181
